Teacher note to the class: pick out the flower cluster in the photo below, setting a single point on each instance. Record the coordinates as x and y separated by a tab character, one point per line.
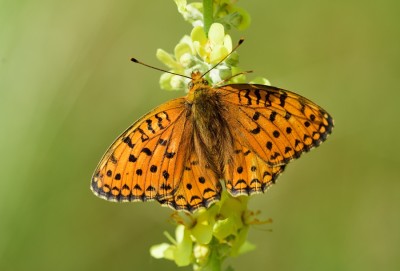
225	12
198	52
207	237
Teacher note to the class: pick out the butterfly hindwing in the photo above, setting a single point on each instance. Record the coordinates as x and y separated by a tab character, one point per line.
247	173
198	187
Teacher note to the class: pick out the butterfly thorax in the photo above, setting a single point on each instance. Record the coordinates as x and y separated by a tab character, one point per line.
212	138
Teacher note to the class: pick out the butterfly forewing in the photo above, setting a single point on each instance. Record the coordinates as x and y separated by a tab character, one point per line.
276	124
131	168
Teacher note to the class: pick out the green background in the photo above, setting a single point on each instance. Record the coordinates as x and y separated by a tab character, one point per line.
67	89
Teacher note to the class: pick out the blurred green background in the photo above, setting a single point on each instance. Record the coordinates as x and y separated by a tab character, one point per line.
67	89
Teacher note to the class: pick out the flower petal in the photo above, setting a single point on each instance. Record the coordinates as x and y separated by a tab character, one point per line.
166	58
216	34
183	252
218	53
158	251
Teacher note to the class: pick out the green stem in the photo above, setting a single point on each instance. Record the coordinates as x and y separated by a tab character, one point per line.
207	14
214	260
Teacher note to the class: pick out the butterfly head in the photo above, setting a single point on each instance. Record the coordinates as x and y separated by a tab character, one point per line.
197	80
197	83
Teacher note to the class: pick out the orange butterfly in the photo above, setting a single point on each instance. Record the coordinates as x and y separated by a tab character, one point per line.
243	134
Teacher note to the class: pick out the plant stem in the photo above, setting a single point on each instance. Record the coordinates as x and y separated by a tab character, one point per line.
215	260
207	14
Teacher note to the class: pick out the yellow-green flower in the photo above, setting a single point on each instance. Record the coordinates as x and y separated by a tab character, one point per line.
199	53
214	48
219	230
225	12
182	62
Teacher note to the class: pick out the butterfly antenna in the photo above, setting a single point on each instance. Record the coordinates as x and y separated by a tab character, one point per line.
155	68
233	50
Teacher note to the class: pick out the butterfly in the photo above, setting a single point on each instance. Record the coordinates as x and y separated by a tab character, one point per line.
240	134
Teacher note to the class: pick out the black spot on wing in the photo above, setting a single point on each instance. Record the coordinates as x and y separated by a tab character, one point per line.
144	137
256	115
272	116
153	168
113	159
150	188
267	101
132	158
246	95
166	116
256	130
159	121
127	140
282	99
147	151
149	126
162	142
165	174
258	96
169	155
165	186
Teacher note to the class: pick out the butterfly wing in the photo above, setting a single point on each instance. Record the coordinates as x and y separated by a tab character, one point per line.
277	124
143	157
199	187
273	126
152	160
247	173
